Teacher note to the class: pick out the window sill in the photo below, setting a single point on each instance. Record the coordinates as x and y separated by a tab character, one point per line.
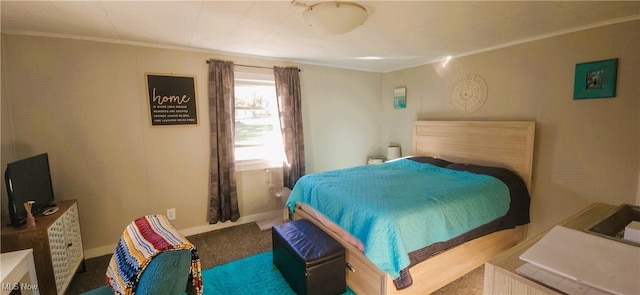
257	164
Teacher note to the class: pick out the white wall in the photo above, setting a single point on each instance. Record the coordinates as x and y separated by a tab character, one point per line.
342	115
85	104
586	150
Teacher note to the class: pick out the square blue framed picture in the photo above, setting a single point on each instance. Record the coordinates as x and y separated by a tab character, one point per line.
595	79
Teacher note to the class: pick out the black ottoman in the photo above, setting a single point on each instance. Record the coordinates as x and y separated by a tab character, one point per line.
310	260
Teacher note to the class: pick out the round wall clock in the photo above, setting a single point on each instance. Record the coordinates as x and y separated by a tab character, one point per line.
469	93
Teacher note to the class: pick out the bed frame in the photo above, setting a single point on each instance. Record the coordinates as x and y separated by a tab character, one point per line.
507	144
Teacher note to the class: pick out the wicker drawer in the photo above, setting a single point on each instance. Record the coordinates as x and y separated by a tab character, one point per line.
65	246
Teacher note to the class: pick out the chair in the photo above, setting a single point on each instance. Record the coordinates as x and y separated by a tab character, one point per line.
166	266
166	274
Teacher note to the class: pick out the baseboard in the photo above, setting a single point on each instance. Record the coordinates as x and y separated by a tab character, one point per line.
242	220
108	250
100	251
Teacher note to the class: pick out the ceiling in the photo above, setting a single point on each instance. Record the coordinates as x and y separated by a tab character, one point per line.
397	34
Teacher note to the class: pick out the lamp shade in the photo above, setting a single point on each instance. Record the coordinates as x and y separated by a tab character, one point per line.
335	17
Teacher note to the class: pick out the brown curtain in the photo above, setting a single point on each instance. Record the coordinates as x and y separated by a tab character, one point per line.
290	108
223	196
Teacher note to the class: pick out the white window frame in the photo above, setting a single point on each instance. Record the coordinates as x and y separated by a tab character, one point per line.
272	161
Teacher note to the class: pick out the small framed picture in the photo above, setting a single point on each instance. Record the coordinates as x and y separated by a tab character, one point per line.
595	79
400	98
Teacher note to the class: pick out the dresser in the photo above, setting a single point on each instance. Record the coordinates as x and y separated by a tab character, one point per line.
500	275
57	246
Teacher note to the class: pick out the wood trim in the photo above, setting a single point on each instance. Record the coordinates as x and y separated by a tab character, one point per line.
450	265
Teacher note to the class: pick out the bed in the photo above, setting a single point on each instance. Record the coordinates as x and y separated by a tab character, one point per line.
493	144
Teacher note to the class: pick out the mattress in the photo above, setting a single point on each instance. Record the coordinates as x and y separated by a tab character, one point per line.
428	205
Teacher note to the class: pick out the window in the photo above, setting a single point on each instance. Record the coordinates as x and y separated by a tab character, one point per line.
258	140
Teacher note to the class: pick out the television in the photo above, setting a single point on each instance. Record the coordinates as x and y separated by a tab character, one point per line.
28	180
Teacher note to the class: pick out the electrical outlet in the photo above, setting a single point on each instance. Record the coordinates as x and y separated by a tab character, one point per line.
171	214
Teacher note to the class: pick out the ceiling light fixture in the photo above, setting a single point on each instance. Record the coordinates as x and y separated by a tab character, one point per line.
369	57
334	17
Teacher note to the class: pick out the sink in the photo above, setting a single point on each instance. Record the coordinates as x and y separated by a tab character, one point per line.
613	226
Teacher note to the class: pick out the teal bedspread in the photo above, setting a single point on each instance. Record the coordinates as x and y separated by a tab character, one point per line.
402	206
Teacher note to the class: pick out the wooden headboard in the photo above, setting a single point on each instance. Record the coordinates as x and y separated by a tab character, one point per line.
507	144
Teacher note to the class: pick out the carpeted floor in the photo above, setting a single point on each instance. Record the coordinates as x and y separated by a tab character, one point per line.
225	245
259	277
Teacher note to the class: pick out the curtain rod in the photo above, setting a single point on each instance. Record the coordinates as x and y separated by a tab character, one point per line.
250	66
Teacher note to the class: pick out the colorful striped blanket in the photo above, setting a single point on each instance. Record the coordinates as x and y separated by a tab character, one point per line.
142	240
